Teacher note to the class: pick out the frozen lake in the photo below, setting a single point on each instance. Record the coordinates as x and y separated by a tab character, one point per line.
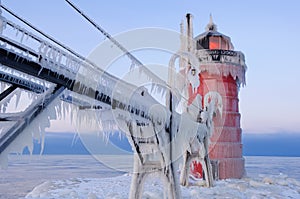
26	172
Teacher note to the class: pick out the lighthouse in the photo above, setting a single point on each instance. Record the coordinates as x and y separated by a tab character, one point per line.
220	73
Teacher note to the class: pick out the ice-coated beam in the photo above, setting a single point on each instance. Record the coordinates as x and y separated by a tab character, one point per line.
7	92
17	62
21	83
20	125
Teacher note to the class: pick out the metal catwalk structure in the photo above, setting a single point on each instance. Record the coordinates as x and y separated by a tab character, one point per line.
45	68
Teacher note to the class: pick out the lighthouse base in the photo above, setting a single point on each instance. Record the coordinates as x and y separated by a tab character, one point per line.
221	168
230	168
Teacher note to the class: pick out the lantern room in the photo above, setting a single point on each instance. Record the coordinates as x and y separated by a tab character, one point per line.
212	39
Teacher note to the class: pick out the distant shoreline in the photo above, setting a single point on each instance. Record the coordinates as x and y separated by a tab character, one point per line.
279	144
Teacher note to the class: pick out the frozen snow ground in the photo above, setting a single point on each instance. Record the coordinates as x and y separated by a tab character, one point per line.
82	176
264	186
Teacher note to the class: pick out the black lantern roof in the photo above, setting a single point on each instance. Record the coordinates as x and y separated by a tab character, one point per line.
203	40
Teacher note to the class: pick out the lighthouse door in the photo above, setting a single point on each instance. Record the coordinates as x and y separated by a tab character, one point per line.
196	170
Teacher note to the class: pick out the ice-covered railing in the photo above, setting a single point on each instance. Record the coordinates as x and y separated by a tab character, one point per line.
24	81
37	49
86	77
223	56
52	57
56	56
225	61
48	55
80	75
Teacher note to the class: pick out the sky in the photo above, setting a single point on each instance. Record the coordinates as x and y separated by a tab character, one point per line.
267	32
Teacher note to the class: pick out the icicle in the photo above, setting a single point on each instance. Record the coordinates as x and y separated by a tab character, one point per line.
49	52
34	130
41	47
2	24
22	37
18	30
132	66
3	86
27	36
18	97
60	55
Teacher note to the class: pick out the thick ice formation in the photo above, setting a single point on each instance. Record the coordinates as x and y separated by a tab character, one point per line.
3	86
34	131
228	65
11	104
193	138
14	76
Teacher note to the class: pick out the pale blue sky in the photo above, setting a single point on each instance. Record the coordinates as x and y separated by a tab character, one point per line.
268	32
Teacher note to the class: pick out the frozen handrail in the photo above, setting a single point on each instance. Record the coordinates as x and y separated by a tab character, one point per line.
40	40
78	59
50	63
101	93
44	34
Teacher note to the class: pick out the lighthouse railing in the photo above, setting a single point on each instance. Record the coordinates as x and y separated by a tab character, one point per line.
221	56
224	63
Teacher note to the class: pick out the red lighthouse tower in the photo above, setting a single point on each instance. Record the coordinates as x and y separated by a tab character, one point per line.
221	72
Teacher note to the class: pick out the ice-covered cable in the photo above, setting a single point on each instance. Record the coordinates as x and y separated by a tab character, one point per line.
48	37
134	60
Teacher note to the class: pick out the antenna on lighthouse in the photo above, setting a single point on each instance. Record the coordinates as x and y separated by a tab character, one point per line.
189	30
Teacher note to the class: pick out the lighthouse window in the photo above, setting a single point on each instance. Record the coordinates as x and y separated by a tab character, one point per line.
224	44
202	44
218	43
214	43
